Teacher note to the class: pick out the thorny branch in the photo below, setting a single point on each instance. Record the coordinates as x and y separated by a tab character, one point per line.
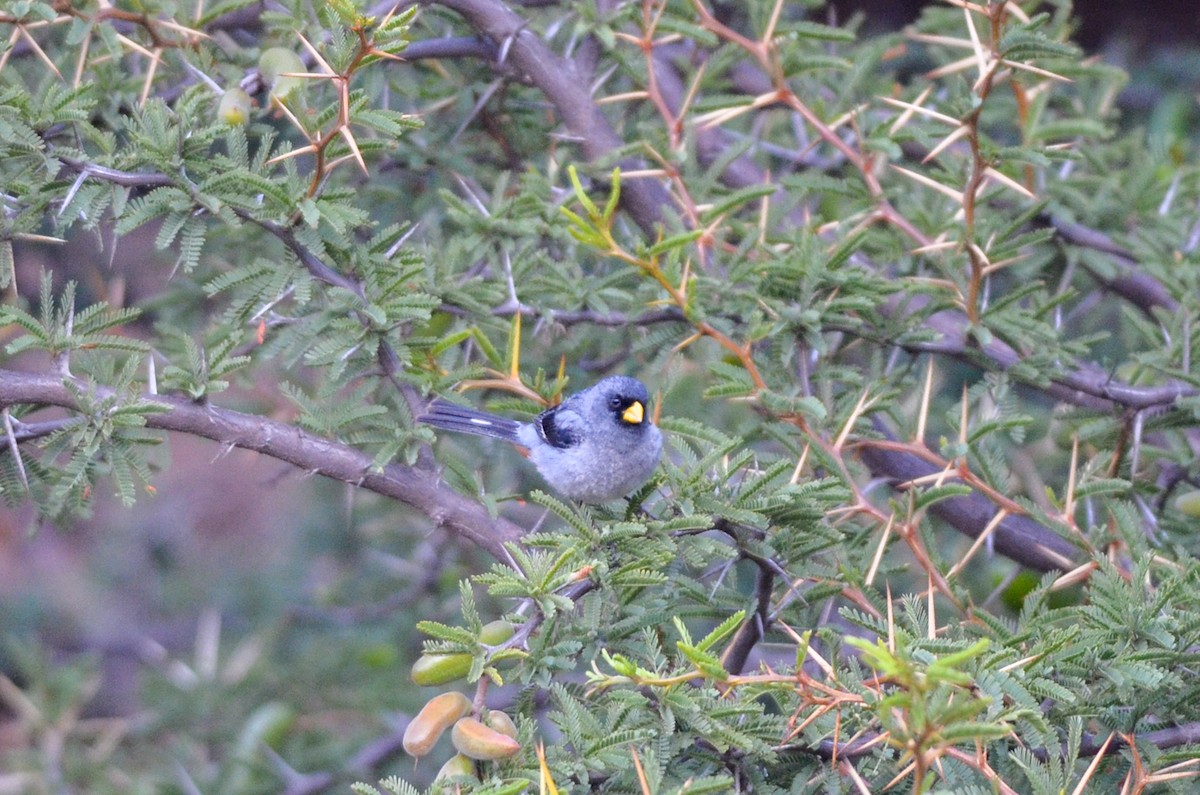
418	488
566	87
504	39
502	31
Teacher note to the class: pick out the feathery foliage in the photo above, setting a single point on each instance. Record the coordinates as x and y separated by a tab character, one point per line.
917	312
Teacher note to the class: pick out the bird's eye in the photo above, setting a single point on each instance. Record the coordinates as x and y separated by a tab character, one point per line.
614	403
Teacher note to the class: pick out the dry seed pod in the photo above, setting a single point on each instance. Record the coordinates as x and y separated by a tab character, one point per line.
477	741
438	714
500	722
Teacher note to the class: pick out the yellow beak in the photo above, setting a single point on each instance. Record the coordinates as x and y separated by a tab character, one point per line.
635	413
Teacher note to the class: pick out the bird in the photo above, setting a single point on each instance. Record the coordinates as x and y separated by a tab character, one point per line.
597	445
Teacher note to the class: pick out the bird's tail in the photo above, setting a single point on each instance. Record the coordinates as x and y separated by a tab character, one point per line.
452	417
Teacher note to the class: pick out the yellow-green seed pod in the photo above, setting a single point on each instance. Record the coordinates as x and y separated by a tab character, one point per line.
471	738
234	108
1188	503
496	632
274	64
438	669
438	714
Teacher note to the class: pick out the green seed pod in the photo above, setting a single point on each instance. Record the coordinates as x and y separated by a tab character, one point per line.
438	669
438	714
457	765
1188	503
471	738
273	64
496	632
234	108
499	721
513	787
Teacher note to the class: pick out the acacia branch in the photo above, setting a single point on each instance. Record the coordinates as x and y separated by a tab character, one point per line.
450	47
417	488
1080	383
1083	383
567	89
1142	290
756	624
1019	538
566	317
1091	745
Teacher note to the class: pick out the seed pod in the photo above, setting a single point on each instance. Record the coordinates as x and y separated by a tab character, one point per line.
234	108
477	741
438	714
496	632
514	787
272	66
1188	503
499	721
438	669
457	765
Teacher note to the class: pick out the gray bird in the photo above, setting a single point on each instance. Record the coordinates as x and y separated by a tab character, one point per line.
595	446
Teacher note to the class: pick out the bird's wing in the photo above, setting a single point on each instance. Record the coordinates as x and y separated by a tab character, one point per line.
560	427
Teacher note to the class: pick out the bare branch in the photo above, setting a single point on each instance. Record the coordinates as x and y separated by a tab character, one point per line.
756	624
144	179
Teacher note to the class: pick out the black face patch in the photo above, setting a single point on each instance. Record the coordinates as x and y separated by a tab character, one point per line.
552	434
629	411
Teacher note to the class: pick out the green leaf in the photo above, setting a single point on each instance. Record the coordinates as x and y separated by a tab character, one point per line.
673	242
722	631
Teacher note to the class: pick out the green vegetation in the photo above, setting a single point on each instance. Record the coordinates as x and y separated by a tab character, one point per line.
917	311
